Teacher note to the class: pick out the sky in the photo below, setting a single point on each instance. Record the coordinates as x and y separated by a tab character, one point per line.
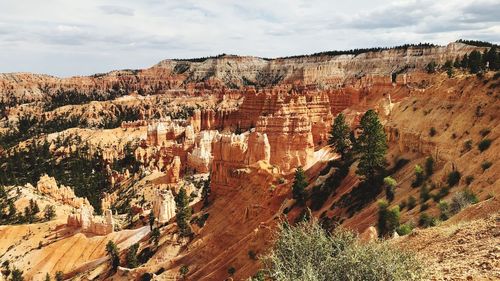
83	37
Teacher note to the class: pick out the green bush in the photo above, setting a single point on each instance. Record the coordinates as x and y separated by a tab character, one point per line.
419	176
453	178
404	229
426	221
485	165
424	193
461	200
412	202
444	209
429	166
423	207
467	145
484	144
432	132
307	252
469	179
388	219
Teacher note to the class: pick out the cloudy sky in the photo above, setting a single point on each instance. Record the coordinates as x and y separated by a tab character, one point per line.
80	37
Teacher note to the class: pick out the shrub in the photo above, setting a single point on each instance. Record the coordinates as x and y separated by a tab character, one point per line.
424	193
484	132
184	271
453	178
444	209
485	165
462	200
146	276
388	220
469	179
231	270
412	202
429	166
402	205
426	221
467	145
484	144
443	191
252	255
17	275
307	252
424	207
419	176
390	185
432	132
59	276
404	229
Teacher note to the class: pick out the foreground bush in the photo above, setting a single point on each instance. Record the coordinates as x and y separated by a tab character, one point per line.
306	252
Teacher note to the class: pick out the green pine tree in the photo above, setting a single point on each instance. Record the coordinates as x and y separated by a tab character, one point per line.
183	212
372	147
475	62
131	257
299	185
112	251
339	136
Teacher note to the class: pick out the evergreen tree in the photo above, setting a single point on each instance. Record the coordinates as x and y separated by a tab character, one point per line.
183	212
339	136
131	257
456	63
113	254
492	58
465	62
205	192
47	277
59	276
151	220
17	275
372	146
474	62
34	207
299	185
388	220
12	210
49	213
155	236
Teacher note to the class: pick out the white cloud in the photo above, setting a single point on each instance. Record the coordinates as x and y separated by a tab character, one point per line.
82	37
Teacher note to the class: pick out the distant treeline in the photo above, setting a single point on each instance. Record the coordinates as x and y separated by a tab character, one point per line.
476	43
354	51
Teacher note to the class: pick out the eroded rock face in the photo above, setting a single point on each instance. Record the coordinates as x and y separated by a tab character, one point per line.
200	159
48	186
84	218
233	154
164	206
173	170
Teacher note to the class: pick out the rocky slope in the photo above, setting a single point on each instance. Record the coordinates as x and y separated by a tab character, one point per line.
248	123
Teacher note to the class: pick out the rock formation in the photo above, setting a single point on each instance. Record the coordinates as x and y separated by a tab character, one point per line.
163	206
84	218
65	195
233	154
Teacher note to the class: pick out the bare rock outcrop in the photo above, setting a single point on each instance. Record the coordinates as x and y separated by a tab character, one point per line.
233	154
84	218
164	206
63	194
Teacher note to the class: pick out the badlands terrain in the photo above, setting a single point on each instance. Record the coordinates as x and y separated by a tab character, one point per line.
188	166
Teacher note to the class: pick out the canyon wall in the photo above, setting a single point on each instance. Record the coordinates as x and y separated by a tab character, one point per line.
220	75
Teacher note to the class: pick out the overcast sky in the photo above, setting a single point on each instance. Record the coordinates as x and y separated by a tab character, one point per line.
81	37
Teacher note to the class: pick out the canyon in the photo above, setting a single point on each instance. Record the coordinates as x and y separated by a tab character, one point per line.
230	132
